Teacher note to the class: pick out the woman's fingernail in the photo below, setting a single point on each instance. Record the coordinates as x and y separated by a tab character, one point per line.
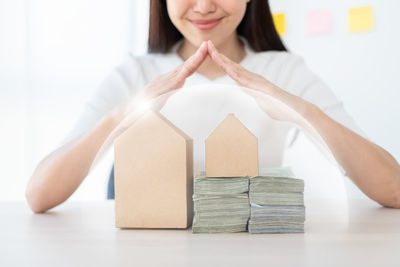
199	49
214	50
197	52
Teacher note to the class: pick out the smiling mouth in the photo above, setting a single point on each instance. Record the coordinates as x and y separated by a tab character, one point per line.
206	24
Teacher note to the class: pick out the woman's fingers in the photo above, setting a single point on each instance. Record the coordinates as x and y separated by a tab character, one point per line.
217	57
234	70
193	62
176	78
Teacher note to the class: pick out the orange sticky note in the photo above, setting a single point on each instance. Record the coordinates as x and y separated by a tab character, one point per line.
280	23
361	19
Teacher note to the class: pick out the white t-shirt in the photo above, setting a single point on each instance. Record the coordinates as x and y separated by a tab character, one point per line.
284	69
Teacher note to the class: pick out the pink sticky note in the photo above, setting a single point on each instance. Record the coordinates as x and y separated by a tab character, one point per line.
318	22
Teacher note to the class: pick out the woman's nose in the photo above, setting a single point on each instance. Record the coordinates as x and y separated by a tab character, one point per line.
204	6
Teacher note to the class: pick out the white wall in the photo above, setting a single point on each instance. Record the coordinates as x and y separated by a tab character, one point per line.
53	53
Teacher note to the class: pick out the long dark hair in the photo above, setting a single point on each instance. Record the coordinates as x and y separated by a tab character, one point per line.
257	27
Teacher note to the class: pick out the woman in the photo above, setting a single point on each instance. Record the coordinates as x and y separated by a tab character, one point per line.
210	40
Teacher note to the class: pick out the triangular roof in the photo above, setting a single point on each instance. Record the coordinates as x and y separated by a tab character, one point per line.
231	120
156	115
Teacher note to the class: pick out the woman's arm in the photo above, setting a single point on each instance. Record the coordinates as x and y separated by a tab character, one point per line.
370	167
59	174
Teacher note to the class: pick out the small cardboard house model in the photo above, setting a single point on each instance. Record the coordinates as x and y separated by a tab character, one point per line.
231	150
153	175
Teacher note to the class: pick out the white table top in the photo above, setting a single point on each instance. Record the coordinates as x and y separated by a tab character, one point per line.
83	234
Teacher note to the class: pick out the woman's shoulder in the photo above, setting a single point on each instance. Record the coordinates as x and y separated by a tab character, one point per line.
276	66
287	70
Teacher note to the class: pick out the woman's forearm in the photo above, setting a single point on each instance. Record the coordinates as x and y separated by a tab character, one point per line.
370	167
59	174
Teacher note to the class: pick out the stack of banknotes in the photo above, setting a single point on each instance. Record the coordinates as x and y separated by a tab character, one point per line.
276	202
221	204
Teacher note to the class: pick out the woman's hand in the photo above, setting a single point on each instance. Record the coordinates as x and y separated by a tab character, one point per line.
154	95
277	103
162	87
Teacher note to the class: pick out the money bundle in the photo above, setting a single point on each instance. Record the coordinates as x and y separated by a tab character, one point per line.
221	204
276	202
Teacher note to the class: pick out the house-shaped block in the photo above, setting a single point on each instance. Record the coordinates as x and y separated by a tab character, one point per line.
231	150
153	175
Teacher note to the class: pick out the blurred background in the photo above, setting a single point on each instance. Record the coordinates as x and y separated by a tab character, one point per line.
54	53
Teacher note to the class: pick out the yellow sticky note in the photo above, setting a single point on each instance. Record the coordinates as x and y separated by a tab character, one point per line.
361	19
280	23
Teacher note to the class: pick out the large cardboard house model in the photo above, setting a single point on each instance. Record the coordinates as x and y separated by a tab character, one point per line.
231	150
153	175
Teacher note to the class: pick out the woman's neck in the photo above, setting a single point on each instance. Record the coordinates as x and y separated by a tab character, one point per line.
232	48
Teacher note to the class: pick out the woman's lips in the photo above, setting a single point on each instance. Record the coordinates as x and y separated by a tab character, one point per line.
206	24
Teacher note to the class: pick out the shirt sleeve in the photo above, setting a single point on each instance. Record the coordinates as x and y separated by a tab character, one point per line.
115	89
307	85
